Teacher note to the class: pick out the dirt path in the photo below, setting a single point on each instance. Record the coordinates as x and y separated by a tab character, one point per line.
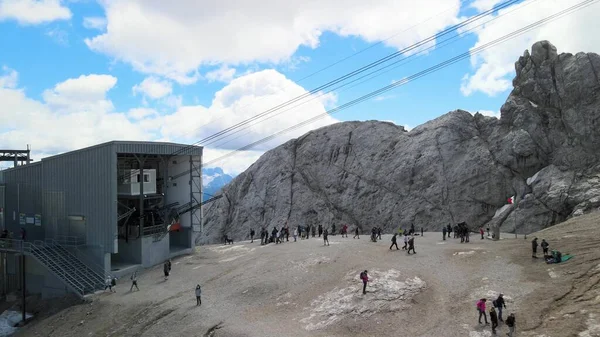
306	289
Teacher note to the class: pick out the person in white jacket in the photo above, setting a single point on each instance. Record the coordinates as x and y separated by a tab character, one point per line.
198	294
295	233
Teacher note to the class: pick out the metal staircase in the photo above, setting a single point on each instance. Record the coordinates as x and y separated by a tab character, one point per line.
80	278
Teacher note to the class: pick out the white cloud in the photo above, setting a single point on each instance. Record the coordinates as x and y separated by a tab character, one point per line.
59	36
232	165
223	74
77	113
31	12
484	5
141	113
153	87
490	113
73	114
9	79
157	37
241	99
94	22
494	67
383	98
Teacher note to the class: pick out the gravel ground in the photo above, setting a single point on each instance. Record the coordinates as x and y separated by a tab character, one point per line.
307	289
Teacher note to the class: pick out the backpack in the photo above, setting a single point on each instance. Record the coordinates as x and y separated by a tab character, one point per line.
362	275
113	282
494	304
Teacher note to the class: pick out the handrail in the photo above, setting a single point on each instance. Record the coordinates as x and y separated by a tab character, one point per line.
96	268
152	230
73	262
67	240
71	281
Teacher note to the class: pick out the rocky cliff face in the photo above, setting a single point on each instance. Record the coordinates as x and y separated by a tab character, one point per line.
545	149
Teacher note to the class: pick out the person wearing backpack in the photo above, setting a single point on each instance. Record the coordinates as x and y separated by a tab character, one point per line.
500	304
113	283
411	245
365	279
510	323
481	310
394	243
545	247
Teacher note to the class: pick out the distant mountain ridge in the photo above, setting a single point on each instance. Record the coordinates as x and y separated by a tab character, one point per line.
213	179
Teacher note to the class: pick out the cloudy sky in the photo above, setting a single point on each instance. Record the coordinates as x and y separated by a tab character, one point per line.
74	73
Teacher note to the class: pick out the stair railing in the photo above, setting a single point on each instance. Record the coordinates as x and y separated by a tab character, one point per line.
56	269
94	267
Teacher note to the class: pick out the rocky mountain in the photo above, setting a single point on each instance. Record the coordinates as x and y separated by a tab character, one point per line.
545	150
213	179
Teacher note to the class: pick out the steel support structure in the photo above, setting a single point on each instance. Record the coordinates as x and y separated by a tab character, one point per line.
16	156
196	195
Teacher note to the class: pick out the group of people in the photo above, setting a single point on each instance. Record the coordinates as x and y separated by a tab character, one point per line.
282	234
460	230
498	304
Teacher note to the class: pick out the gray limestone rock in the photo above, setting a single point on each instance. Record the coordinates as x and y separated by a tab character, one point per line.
544	149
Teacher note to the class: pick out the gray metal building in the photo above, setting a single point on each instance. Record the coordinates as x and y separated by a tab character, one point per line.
123	205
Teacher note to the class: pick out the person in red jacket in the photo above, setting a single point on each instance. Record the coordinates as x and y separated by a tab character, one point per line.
481	232
481	309
365	279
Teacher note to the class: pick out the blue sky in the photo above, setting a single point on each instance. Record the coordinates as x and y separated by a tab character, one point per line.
85	72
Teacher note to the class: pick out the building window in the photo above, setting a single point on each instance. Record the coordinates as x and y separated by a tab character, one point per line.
137	178
146	178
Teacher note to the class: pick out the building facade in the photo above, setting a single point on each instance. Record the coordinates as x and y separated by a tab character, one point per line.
123	205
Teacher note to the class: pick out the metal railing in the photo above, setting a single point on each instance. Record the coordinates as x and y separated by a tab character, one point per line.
77	267
70	241
153	230
82	257
54	267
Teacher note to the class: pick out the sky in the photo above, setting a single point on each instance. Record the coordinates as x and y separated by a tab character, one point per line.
74	73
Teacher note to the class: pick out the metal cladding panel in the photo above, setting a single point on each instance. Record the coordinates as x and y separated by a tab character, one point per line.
157	148
23	194
80	184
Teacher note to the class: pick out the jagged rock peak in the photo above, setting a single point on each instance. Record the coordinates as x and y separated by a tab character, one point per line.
457	167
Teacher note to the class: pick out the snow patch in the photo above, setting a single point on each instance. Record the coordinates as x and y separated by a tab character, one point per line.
552	273
385	293
593	327
313	262
464	253
531	180
8	319
533	104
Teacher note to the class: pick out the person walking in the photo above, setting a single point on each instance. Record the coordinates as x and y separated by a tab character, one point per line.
510	323
411	244
325	237
394	243
449	230
405	247
295	233
320	230
481	310
365	279
134	282
108	284
500	304
166	270
444	233
356	234
198	295
421	231
481	232
379	233
534	245
494	319
252	235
